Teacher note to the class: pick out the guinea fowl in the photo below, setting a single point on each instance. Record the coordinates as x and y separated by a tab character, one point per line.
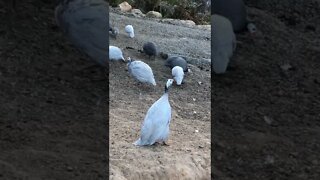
155	127
177	61
141	71
150	49
129	29
223	43
113	31
177	74
235	11
115	53
84	22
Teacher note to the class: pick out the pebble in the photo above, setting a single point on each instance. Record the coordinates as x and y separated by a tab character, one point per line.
69	168
267	119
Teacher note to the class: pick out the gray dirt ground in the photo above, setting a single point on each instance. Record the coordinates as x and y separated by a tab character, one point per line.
188	155
266	119
52	114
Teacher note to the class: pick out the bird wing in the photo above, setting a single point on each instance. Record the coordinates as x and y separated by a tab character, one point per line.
86	25
141	71
178	61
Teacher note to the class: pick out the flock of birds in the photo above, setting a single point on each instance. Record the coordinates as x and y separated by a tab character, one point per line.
227	18
155	127
84	22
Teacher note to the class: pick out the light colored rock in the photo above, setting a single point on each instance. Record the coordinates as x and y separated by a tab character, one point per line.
154	14
125	6
206	27
188	23
137	13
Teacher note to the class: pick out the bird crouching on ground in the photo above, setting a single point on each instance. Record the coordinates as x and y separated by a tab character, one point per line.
177	74
84	22
115	53
155	127
141	71
223	43
236	12
150	49
173	61
129	29
113	31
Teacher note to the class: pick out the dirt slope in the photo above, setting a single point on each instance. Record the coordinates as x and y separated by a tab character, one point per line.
188	156
52	114
266	118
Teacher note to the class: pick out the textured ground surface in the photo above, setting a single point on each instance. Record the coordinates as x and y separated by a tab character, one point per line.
188	156
52	114
266	118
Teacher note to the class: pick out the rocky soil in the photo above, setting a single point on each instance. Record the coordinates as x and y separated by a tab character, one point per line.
52	113
188	156
266	112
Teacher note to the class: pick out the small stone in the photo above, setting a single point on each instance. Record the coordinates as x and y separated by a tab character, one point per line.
69	168
286	67
201	146
196	131
269	159
194	112
199	83
206	27
194	99
267	119
154	14
188	22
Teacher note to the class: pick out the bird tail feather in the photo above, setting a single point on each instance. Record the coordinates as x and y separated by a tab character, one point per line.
137	143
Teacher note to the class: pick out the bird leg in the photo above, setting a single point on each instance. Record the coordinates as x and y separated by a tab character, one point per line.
165	144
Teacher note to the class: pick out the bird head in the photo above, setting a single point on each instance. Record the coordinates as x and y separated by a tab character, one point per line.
115	32
252	28
129	60
168	84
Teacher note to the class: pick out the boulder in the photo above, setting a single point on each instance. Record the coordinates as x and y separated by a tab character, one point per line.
154	14
125	6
